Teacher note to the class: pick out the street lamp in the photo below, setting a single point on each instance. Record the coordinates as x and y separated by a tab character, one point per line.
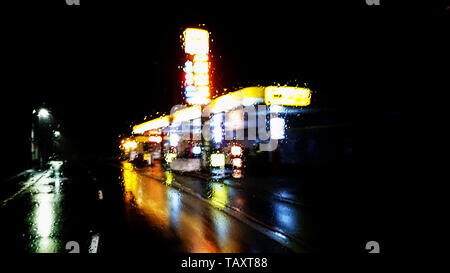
38	151
43	113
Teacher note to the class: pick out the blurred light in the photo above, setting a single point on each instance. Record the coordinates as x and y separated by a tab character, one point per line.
196	150
237	162
170	157
130	145
188	68
141	139
169	176
44	220
246	96
197	128
190	91
236	150
217	120
235	120
56	164
175	204
56	133
275	108
133	155
197	100
219	195
277	128
153	124
217	128
174	139
201	79
196	41
218	160
237	173
186	114
218	135
189	79
201	67
200	58
203	91
224	103
43	113
289	96
286	216
156	139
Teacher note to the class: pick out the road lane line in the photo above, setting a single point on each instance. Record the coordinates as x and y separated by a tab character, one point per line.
30	182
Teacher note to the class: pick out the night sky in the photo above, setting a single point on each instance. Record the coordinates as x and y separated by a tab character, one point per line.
101	67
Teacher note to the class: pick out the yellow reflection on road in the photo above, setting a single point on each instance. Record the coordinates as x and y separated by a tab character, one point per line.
169	177
219	195
147	195
222	231
199	227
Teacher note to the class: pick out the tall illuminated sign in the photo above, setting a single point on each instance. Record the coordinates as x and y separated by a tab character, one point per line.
196	66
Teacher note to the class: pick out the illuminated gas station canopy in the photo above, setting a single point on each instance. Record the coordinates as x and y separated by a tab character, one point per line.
157	123
287	96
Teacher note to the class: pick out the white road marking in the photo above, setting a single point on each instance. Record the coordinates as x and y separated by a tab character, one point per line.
31	181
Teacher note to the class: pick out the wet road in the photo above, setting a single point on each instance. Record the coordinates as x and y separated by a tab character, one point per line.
182	221
114	207
43	210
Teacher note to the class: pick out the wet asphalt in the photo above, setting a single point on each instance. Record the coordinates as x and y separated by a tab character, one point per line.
116	207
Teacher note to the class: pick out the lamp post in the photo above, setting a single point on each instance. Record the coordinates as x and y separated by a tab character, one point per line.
37	151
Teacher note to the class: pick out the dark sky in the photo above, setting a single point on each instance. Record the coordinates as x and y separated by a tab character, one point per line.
103	65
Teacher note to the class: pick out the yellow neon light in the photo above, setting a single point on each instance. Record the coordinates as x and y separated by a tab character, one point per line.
188	113
157	123
288	96
201	79
203	91
219	196
129	145
198	100
156	139
200	58
243	97
170	157
201	67
196	41
139	139
169	177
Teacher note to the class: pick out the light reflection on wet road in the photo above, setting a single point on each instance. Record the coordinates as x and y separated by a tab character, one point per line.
45	217
45	209
198	226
